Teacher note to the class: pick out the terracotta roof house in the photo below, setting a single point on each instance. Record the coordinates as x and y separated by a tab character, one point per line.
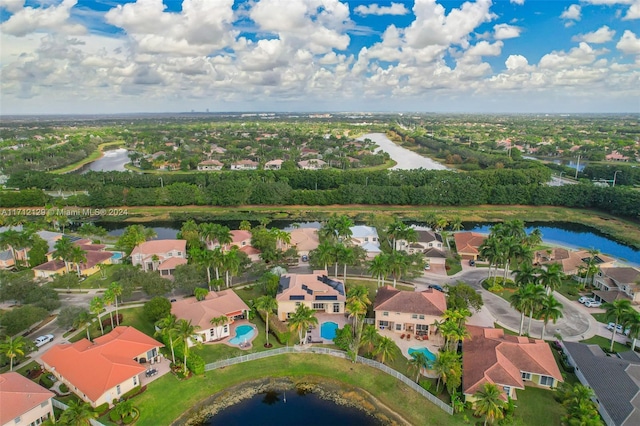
209	165
23	402
468	244
623	281
216	304
615	381
408	311
312	164
317	291
427	239
244	165
49	269
273	164
570	260
6	259
490	356
367	238
105	369
304	240
172	251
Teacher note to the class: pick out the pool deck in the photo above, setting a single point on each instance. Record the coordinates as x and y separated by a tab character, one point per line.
232	334
434	344
339	319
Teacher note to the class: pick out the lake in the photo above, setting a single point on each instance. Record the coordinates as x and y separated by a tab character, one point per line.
308	409
113	160
405	159
560	233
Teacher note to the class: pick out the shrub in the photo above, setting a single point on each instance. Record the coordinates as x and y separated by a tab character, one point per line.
157	308
496	288
46	381
133	392
114	416
101	409
64	388
106	322
195	363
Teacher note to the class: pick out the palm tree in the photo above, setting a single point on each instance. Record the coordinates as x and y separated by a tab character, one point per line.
550	309
489	251
205	258
231	264
591	264
534	296
397	265
13	348
266	304
78	413
488	403
456	224
417	362
347	256
222	235
632	322
78	256
518	301
62	251
168	328
109	299
200	293
85	319
301	320
325	253
96	306
185	331
116	289
369	337
616	311
378	268
551	277
526	274
217	322
385	349
447	364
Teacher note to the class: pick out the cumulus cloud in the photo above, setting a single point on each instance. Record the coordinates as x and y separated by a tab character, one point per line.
572	13
26	20
601	35
632	13
12	6
629	43
506	31
375	9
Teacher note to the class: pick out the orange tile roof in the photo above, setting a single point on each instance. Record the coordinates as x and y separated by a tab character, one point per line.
309	287
305	239
18	395
171	263
159	247
238	236
216	304
491	356
95	367
428	302
468	242
52	265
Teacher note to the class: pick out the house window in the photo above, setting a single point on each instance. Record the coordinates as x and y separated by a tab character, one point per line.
526	376
226	328
318	306
385	314
336	308
421	316
414	316
546	381
383	323
44	404
297	304
135	380
118	390
17	420
398	327
507	389
366	239
430	244
422	327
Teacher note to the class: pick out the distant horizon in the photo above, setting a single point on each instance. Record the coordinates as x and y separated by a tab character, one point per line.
447	56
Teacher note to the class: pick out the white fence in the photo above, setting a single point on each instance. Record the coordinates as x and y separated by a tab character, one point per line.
297	349
62	406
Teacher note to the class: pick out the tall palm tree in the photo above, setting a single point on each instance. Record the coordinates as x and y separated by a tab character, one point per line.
591	264
231	264
217	322
447	364
535	294
13	348
168	328
616	311
550	309
347	256
78	256
357	304
325	253
398	263
488	403
456	224
385	350
186	331
62	250
96	306
551	277
109	298
489	251
417	362
10	239
85	319
369	338
266	304
301	320
78	413
518	301
205	258
223	236
526	274
632	322
116	289
378	268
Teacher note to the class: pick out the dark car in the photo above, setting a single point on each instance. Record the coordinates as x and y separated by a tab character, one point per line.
436	287
472	262
305	258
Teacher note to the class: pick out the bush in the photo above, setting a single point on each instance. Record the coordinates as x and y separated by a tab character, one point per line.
101	409
64	388
195	363
106	322
114	416
496	288
46	381
157	308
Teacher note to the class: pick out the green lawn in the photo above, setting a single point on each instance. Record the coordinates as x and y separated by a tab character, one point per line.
605	343
536	406
569	289
454	266
601	317
133	317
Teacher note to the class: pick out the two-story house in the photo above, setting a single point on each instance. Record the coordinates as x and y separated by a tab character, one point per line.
317	291
490	356
429	243
103	370
273	164
408	311
160	255
23	402
244	165
315	164
367	238
210	165
571	260
614	283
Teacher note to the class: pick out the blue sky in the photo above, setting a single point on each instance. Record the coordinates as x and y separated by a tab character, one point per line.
108	56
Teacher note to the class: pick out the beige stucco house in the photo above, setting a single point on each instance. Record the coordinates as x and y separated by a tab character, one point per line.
23	402
408	311
160	255
317	291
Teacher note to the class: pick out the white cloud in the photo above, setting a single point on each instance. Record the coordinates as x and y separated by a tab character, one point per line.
517	62
12	6
53	18
572	13
632	13
506	31
581	55
629	43
375	9
484	48
601	35
518	2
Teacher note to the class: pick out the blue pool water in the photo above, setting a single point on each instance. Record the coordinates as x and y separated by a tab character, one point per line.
117	255
430	356
328	330
243	332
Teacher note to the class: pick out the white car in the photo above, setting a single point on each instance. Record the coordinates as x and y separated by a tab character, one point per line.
592	304
618	327
585	299
43	340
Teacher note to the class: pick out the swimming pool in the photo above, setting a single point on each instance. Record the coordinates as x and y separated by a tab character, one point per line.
430	355
328	330
117	256
243	333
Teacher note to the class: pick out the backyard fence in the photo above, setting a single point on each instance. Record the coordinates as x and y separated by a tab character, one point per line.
62	406
340	354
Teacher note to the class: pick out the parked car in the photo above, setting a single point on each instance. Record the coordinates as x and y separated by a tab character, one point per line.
436	287
618	327
43	340
472	262
592	304
305	258
427	267
585	299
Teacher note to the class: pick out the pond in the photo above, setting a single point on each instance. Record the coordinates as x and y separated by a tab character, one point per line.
289	408
560	233
405	159
113	160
